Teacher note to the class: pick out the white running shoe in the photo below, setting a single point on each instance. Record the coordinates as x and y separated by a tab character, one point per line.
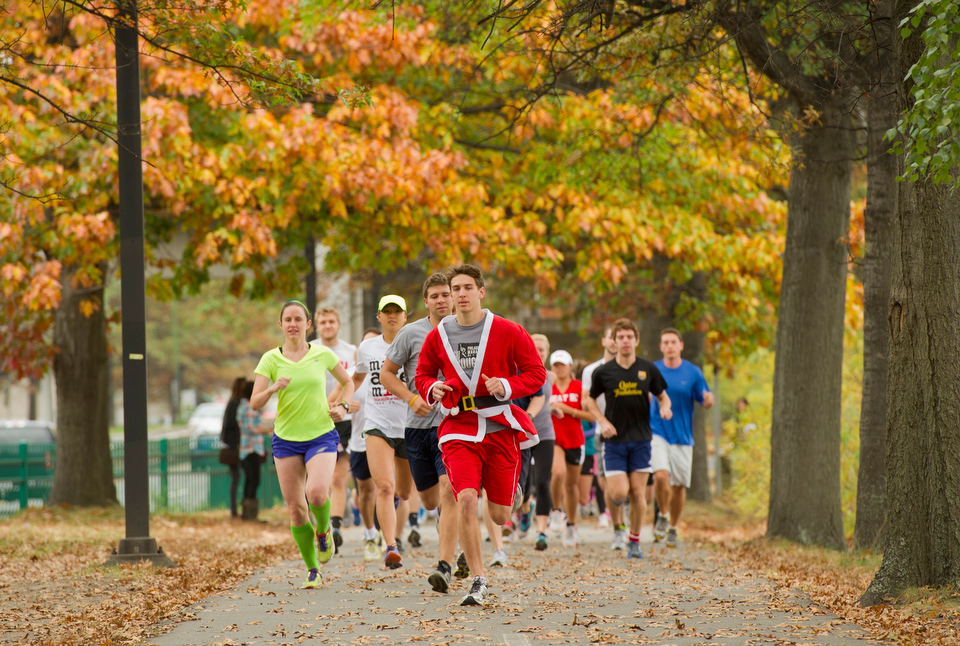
499	558
619	540
558	522
478	593
571	537
604	521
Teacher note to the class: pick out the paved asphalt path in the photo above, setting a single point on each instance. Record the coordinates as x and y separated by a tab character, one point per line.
590	594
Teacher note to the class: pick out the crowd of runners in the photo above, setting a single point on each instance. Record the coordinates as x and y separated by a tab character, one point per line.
466	415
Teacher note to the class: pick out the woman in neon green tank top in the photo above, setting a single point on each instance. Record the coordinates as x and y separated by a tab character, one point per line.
305	441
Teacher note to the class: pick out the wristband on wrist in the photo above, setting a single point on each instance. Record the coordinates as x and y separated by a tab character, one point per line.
413	400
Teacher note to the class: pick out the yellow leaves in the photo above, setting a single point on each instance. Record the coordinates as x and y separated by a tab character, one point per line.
88	307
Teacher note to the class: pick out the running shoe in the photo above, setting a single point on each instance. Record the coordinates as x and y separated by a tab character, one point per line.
558	522
371	552
440	578
325	545
604	521
356	515
414	537
507	529
570	536
313	579
463	570
541	543
524	524
619	539
517	499
672	537
660	528
478	593
337	539
399	545
392	558
381	544
499	558
633	551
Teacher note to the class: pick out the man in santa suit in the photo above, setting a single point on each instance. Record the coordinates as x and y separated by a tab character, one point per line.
473	364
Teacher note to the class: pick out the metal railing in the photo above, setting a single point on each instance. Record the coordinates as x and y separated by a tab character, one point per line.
185	475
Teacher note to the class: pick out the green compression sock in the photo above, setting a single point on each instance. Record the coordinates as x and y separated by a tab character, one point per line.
306	540
322	514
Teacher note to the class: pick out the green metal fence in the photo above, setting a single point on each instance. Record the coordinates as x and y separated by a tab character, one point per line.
185	475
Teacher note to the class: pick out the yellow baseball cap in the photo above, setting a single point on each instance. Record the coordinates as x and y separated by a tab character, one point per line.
392	299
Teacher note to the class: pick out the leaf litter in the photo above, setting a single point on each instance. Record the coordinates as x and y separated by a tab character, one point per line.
54	588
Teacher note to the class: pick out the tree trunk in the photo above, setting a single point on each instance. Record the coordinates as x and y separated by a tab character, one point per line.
921	540
805	432
878	225
84	472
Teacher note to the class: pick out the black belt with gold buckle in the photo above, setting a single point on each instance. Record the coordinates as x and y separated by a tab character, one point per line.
472	403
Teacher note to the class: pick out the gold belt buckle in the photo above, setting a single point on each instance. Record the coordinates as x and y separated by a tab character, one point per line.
468	403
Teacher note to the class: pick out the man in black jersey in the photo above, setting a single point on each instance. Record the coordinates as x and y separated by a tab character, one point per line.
626	384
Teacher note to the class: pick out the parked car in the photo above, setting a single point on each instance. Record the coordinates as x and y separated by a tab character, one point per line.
16	431
39	438
206	419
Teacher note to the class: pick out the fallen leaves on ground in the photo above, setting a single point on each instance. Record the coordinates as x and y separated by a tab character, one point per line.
832	579
54	588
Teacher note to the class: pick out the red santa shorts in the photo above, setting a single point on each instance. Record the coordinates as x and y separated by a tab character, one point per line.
493	464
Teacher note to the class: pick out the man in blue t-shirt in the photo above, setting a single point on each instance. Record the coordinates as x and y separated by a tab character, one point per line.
671	451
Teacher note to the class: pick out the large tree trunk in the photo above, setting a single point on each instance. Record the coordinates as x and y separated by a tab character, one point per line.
921	540
805	432
878	225
84	472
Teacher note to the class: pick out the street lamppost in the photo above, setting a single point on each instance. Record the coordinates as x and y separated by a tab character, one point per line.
138	545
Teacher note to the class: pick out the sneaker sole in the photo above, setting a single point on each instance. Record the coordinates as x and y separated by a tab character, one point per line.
414	539
438	582
540	547
393	560
470	600
325	556
337	541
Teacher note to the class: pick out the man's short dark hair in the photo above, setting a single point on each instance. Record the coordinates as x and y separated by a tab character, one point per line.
467	270
625	324
435	279
671	330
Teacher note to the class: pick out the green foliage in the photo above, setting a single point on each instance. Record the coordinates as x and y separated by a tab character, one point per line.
929	140
217	338
749	453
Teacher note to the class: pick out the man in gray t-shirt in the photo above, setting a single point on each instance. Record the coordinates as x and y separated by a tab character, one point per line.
420	434
405	352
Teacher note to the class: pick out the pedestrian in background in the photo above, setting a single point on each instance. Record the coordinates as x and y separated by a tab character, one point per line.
230	438
253	453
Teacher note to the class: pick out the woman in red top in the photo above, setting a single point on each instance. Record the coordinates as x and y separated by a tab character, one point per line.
568	453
